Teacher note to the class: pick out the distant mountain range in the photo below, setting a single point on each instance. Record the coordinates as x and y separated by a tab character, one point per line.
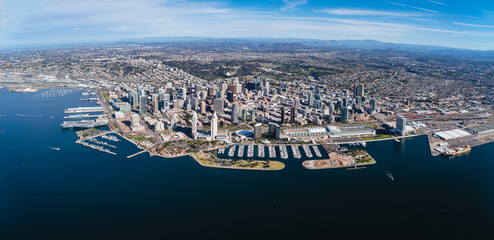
298	43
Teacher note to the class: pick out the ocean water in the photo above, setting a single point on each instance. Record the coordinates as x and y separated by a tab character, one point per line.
80	193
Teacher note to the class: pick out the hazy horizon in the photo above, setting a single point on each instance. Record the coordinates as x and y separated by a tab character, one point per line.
449	23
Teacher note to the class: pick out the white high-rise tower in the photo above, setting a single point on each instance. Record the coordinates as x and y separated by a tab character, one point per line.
214	126
194	125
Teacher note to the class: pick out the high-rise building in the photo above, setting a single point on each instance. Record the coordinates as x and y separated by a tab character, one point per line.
344	115
252	115
282	121
360	90
214	127
230	96
194	125
292	115
194	102
297	103
344	103
234	113
135	125
311	99
203	107
174	121
318	104
218	106
154	99
401	123
244	115
257	130
143	104
331	107
373	105
274	130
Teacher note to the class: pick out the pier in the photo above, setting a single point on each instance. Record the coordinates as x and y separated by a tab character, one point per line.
250	151
316	150
231	151
296	152
260	151
307	151
272	152
84	110
137	153
240	151
283	152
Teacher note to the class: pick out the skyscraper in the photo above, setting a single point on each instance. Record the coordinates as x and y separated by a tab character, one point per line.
203	107
252	115
155	103
214	126
401	123
282	115
344	115
292	115
360	90
257	130
218	106
234	113
143	104
373	105
274	130
194	125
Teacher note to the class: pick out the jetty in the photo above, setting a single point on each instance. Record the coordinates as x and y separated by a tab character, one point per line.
283	152
272	152
250	151
260	151
307	151
137	153
231	151
316	150
296	151
240	151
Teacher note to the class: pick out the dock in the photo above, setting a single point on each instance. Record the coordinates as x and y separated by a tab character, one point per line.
84	110
137	153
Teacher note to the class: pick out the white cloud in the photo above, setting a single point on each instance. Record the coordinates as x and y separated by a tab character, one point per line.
359	12
473	25
436	2
292	4
418	8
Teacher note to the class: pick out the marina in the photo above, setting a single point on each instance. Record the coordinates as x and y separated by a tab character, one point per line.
221	151
272	152
296	152
260	151
96	147
240	151
250	151
307	151
111	138
316	150
94	140
283	152
231	151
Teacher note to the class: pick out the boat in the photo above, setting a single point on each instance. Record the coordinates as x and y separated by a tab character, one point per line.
54	148
458	150
390	176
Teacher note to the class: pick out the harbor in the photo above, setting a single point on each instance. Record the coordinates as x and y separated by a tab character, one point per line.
274	152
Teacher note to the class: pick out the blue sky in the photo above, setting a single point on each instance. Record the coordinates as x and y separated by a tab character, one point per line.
452	23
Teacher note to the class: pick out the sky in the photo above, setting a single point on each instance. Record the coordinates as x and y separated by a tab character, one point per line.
451	23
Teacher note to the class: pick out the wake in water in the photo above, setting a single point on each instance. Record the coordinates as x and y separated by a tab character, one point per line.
28	115
54	148
1	115
389	175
